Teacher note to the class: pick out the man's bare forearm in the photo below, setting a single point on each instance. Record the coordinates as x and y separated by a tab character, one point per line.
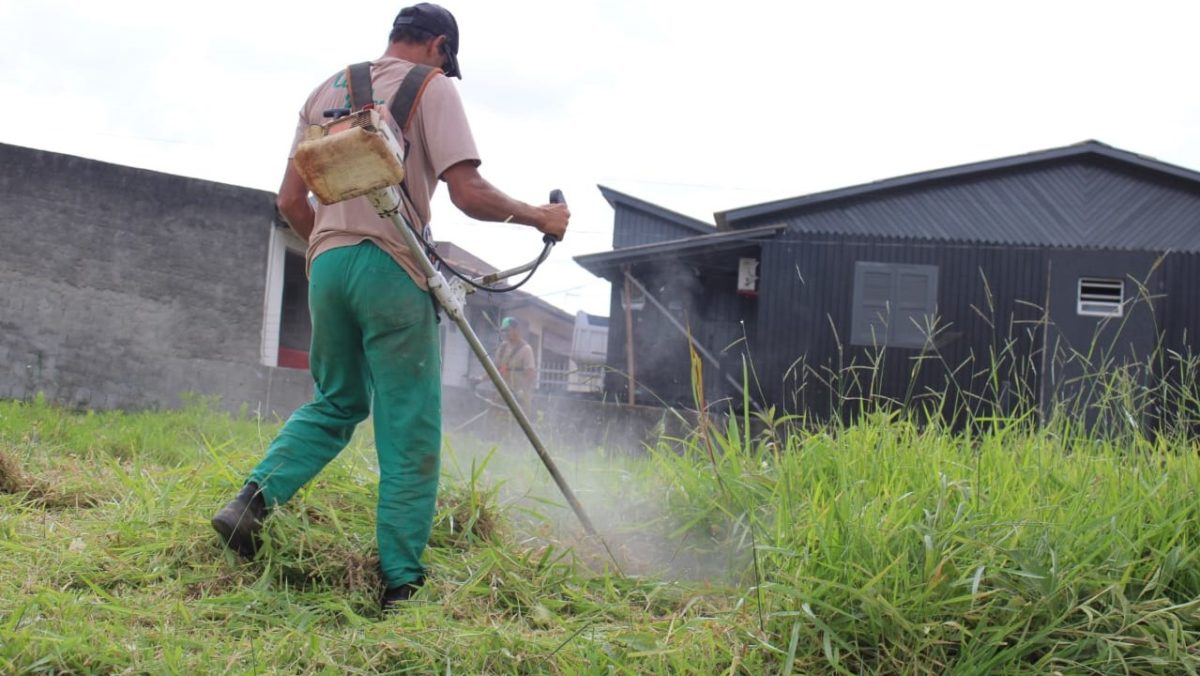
482	201
293	203
477	198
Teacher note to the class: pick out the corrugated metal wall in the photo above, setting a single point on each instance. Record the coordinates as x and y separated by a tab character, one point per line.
1180	369
615	375
662	365
633	227
1086	352
987	335
700	295
991	347
1181	325
727	328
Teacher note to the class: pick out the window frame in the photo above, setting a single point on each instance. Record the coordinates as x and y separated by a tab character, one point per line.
282	240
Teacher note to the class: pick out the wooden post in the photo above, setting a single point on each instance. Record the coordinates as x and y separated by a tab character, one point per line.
630	367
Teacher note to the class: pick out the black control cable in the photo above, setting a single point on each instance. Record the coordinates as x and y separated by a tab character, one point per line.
556	197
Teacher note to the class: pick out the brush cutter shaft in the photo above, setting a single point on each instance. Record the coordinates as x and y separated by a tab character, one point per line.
387	202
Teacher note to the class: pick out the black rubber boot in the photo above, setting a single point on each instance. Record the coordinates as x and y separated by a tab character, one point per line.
394	597
240	521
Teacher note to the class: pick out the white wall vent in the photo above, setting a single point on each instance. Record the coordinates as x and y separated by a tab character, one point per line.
1100	297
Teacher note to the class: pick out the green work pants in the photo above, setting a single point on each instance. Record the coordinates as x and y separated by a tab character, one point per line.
374	350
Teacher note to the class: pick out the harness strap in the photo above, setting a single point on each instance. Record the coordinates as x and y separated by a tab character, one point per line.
359	77
408	95
404	102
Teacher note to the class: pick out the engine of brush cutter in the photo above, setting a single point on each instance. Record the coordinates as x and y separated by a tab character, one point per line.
350	156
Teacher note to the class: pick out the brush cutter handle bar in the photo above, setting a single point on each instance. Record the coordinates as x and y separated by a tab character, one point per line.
556	197
492	278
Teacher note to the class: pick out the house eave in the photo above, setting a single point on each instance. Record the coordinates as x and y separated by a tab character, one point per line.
608	264
728	220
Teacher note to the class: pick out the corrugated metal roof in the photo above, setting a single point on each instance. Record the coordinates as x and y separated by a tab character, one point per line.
1088	195
610	261
616	198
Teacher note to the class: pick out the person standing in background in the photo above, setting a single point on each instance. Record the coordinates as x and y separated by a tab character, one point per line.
516	363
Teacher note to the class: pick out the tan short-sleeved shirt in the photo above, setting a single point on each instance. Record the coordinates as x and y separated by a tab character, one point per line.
439	137
517	364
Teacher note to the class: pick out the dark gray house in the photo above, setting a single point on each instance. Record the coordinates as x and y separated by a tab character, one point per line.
1019	283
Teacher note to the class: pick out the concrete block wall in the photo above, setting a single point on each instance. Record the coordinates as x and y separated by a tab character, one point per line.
125	288
122	288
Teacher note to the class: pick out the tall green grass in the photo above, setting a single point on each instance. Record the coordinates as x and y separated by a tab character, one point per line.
895	548
891	544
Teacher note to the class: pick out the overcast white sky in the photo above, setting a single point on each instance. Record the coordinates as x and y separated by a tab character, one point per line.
696	106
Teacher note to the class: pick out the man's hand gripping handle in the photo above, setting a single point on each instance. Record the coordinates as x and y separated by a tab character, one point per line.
559	216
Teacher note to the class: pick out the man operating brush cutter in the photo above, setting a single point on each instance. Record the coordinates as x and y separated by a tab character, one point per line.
374	328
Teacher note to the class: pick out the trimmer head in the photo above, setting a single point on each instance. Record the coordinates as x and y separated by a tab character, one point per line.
349	157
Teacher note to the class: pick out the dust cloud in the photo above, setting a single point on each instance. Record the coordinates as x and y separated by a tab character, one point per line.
628	505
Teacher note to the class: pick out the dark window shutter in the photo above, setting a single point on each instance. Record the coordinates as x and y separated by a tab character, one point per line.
894	304
916	300
872	295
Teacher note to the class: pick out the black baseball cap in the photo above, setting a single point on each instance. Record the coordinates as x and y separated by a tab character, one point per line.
436	20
